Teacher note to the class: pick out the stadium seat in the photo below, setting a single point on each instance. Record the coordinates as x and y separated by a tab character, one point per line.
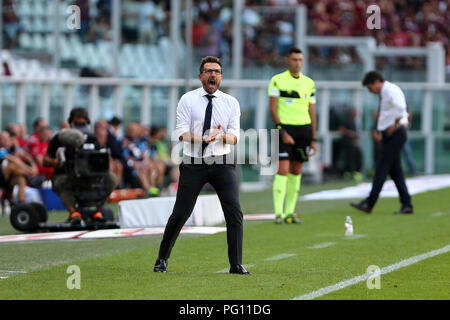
37	24
26	23
25	41
38	8
24	8
38	42
49	42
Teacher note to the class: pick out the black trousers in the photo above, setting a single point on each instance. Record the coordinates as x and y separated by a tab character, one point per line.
193	177
389	162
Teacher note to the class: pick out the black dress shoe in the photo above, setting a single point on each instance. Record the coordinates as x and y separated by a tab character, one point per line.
160	265
362	206
405	210
239	269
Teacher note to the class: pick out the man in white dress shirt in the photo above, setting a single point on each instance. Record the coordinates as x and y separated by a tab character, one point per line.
208	124
392	122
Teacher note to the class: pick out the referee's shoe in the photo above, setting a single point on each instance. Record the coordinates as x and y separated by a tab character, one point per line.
160	265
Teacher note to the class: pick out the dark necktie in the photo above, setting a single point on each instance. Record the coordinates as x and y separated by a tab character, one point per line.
207	121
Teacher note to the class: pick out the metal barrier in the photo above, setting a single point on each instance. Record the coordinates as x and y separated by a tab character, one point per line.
178	86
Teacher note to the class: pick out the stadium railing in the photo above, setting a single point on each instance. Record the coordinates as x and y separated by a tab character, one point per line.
429	105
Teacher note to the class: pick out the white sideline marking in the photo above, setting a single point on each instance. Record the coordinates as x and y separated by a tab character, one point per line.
438	214
364	277
280	256
5	274
355	236
322	245
228	269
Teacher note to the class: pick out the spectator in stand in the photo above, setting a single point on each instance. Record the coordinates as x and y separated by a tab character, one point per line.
352	148
6	69
114	126
13	129
130	21
13	170
64	125
103	137
199	29
136	151
150	17
37	145
160	153
84	18
104	8
22	135
286	34
11	24
18	132
100	31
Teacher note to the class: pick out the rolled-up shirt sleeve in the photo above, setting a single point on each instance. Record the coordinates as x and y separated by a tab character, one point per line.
234	126
399	104
183	118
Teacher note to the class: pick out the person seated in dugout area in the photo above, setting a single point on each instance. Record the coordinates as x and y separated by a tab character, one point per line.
37	145
108	141
13	170
136	150
62	181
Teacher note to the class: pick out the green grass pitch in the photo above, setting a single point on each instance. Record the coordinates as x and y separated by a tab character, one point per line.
286	261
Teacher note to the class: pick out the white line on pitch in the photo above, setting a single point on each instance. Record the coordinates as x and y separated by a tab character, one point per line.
280	256
228	269
364	277
438	214
355	236
322	245
5	274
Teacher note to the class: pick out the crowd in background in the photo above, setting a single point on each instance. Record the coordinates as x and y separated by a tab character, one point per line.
140	158
268	26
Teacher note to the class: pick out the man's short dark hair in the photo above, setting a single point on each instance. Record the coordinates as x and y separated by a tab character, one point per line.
36	122
372	76
155	129
79	113
210	59
293	50
10	129
115	121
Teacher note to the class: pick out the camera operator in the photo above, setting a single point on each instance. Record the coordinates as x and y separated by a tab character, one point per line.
61	181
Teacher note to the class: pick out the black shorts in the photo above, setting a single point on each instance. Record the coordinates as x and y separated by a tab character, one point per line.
302	136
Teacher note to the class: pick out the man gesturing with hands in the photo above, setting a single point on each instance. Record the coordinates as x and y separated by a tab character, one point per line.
208	124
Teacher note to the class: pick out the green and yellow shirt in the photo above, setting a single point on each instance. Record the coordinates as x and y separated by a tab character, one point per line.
294	97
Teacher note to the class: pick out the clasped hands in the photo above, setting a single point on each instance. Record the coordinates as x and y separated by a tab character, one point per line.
216	134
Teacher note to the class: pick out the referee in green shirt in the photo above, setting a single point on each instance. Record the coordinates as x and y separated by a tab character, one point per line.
292	108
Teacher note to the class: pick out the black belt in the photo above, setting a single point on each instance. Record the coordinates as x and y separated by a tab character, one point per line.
401	126
211	160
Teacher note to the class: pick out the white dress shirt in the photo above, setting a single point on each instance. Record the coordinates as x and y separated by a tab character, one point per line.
191	114
392	106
